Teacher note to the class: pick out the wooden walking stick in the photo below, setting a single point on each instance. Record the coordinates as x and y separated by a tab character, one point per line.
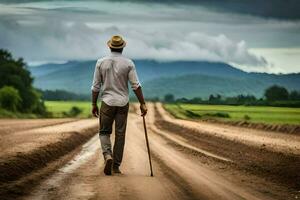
148	148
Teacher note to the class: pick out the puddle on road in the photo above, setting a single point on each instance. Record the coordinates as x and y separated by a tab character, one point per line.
88	149
55	180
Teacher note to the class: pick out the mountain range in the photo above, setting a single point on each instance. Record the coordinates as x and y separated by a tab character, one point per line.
181	78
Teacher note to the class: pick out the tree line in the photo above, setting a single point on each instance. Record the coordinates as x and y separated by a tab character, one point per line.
18	95
16	91
62	95
273	96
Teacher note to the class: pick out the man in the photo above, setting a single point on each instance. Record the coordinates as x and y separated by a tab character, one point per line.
112	74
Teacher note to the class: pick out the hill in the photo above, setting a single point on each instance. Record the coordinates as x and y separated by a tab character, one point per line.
183	78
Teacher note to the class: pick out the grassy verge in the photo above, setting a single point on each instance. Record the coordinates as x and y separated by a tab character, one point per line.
8	114
254	114
57	108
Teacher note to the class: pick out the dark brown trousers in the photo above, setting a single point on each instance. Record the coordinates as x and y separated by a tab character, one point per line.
109	115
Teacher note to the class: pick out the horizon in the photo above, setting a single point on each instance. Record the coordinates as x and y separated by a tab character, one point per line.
41	63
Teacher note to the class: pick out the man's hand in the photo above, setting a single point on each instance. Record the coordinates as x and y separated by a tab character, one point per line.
139	94
95	110
143	109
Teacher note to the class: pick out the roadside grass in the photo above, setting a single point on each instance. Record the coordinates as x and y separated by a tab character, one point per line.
8	114
59	107
255	114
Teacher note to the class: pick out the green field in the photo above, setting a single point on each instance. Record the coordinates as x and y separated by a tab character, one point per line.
263	114
58	107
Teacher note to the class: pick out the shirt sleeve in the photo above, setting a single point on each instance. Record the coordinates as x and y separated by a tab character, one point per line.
133	77
97	78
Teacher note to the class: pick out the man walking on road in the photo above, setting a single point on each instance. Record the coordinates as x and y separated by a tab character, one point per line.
111	77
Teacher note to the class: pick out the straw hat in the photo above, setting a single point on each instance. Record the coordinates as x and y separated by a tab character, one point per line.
116	42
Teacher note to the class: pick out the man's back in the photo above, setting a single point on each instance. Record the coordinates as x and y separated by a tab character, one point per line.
112	74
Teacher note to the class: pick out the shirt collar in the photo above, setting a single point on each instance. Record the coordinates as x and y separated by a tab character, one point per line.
115	54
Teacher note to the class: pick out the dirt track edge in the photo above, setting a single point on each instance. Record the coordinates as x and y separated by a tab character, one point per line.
22	165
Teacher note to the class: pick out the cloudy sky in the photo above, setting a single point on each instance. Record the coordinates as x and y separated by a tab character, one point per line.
252	35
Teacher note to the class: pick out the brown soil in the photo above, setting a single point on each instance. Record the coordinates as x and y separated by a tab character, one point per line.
13	125
176	175
190	161
273	141
24	152
280	167
282	128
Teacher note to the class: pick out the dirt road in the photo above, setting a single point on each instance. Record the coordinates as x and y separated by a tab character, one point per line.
182	170
31	149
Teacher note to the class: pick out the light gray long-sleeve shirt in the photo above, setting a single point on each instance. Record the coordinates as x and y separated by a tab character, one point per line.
111	77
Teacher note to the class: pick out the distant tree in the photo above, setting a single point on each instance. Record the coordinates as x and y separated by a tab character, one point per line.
196	100
14	73
62	95
183	100
211	98
169	98
9	98
294	95
231	100
245	99
215	99
276	93
41	109
73	112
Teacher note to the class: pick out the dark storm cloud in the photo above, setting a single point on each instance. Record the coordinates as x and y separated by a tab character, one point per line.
165	31
279	9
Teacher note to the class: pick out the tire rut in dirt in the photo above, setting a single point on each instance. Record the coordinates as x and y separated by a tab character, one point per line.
17	174
276	167
182	185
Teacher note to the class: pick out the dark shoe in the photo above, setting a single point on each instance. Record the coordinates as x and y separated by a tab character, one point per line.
116	170
108	165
